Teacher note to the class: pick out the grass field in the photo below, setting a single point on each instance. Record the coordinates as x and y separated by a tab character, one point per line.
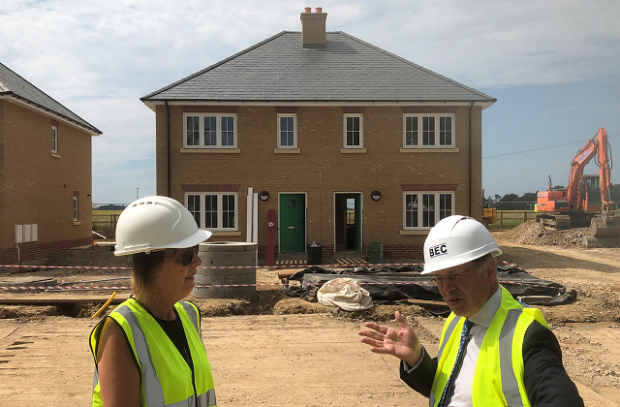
104	222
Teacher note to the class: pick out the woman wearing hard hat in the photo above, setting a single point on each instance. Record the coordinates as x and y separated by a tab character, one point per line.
149	351
493	351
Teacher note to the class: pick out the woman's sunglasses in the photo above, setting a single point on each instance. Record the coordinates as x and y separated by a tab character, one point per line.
187	255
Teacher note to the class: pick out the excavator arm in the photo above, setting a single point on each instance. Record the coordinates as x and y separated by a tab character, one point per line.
597	146
604	167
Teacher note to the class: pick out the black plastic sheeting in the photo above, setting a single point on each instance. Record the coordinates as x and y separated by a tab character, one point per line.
382	287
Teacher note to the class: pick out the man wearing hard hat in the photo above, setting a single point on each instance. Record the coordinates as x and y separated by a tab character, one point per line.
493	350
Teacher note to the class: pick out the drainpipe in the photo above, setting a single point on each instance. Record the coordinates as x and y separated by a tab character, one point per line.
168	139
471	106
17	247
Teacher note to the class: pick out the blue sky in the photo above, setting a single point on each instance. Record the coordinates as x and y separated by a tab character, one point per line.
552	65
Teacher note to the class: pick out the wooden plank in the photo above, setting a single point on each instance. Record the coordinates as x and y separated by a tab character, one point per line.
425	302
27	281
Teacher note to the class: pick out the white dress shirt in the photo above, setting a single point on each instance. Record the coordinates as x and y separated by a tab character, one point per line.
461	397
481	322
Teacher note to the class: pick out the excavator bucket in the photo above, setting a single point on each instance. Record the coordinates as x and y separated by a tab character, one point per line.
603	232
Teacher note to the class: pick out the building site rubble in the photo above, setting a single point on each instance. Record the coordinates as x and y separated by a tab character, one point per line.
395	283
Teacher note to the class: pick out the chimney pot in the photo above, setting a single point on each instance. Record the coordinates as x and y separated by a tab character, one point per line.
308	9
319	9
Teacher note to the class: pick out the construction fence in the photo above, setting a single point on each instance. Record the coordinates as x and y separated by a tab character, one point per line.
104	222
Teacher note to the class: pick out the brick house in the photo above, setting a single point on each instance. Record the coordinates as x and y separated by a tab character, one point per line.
348	143
45	173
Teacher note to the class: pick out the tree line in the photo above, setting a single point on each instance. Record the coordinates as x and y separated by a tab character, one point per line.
528	199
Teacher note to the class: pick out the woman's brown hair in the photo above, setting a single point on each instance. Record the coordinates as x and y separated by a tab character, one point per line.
144	267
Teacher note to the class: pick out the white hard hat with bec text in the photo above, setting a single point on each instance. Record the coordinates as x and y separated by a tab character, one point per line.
457	240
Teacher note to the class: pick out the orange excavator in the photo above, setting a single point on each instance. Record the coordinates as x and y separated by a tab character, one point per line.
587	198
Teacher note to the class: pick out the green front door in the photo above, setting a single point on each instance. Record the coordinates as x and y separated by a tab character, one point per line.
292	223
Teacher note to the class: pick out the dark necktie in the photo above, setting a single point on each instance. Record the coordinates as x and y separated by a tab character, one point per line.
457	363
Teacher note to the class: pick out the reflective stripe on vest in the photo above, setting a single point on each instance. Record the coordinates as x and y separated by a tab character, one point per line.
152	393
204	400
152	387
498	376
191	312
510	387
447	333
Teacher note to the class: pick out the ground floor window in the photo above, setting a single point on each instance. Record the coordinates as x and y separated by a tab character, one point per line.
422	210
213	211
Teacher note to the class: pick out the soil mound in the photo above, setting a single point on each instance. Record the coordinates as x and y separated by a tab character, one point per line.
95	255
534	233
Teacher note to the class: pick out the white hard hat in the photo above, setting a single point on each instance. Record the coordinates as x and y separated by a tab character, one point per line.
457	240
156	222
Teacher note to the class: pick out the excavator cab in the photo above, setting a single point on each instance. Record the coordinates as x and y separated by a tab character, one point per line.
592	187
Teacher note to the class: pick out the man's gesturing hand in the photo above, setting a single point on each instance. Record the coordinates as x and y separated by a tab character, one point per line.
402	343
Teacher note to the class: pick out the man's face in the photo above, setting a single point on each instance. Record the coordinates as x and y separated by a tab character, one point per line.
465	288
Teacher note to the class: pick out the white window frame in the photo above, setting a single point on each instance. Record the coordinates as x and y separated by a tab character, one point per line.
76	209
294	116
344	141
54	139
218	135
437	117
420	215
219	210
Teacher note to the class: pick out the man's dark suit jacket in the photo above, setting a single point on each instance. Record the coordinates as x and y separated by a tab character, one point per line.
546	381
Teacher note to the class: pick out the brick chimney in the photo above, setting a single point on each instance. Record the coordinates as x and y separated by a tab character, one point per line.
313	26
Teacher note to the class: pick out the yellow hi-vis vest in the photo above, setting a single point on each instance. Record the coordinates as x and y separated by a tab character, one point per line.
166	379
498	376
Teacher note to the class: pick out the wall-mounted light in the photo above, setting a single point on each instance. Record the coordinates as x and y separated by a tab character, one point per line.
263	195
375	195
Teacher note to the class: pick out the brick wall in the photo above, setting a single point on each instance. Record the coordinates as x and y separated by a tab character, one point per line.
38	188
320	169
33	251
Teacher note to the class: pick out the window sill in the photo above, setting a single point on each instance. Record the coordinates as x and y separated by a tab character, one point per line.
76	223
429	150
211	150
352	151
55	155
216	234
287	150
414	232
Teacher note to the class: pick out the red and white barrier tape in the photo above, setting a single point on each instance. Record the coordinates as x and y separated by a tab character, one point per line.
95	288
89	288
287	266
597	285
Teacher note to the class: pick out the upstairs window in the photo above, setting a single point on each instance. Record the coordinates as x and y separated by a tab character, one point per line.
422	210
287	131
353	131
428	131
210	130
54	139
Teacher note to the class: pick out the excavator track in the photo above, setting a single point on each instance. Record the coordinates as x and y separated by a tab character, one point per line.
558	222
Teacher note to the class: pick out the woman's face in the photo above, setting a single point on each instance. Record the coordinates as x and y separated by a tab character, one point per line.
175	281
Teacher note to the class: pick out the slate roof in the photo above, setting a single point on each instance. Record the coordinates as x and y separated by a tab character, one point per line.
11	84
345	69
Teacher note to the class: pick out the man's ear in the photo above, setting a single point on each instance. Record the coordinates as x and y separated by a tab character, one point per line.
490	269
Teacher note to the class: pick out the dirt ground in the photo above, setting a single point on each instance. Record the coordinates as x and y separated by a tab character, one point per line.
272	350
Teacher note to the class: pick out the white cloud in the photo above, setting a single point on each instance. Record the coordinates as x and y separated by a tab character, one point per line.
98	57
